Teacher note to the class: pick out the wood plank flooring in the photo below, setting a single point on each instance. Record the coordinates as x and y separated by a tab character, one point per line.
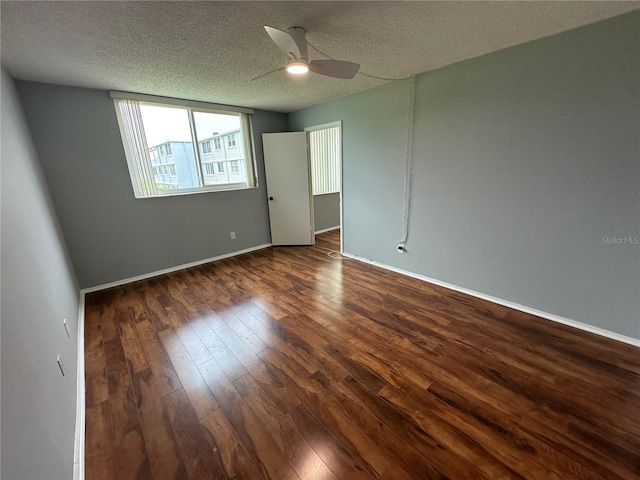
288	364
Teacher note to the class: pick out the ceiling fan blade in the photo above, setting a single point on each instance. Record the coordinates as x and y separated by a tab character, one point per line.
334	68
284	41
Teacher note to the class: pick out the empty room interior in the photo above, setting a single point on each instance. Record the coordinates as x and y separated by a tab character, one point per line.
320	240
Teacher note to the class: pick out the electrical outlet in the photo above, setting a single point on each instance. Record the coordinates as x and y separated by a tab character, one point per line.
233	235
401	248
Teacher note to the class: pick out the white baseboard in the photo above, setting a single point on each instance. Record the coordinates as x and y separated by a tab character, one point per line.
124	281
78	450
327	229
539	313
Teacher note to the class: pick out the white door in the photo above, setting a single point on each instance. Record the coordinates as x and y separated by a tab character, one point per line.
286	162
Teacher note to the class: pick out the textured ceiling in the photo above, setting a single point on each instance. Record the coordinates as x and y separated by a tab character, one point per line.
211	50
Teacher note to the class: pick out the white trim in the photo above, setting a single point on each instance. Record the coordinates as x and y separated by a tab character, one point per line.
337	123
327	229
141	97
78	450
539	313
124	281
224	187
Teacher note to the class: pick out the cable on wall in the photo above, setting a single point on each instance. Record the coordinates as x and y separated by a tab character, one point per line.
408	158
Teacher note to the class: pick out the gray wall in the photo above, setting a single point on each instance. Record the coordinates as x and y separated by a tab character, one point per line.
326	211
524	160
38	290
111	235
373	154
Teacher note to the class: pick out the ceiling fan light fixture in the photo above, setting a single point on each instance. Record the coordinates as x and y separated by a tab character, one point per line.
297	68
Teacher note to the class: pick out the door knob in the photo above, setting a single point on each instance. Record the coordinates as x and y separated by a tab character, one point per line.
270	198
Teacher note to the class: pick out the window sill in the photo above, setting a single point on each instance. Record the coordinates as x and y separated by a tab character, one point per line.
195	191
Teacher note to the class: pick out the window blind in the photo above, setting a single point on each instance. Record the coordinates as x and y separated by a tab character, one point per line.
132	130
324	146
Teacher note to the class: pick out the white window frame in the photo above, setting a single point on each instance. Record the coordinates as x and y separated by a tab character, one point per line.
217	144
192	107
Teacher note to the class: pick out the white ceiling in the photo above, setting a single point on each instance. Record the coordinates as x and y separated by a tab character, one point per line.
211	50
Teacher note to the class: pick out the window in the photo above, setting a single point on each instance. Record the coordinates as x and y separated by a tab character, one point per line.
165	150
161	126
217	144
231	140
235	167
324	150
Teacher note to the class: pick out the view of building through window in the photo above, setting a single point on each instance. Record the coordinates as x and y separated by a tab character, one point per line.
171	147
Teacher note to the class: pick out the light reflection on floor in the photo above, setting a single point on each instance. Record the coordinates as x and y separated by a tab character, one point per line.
313	468
329	281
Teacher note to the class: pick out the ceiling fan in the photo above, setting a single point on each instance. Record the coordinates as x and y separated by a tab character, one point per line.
294	44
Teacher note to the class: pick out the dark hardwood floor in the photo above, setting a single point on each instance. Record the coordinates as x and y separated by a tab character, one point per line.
289	364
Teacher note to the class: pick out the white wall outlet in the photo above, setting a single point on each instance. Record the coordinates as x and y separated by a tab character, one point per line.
233	235
401	248
66	328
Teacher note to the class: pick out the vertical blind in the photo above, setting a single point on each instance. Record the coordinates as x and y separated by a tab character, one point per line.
324	146
135	143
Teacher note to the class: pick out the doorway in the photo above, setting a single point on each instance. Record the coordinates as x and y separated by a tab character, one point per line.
325	152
